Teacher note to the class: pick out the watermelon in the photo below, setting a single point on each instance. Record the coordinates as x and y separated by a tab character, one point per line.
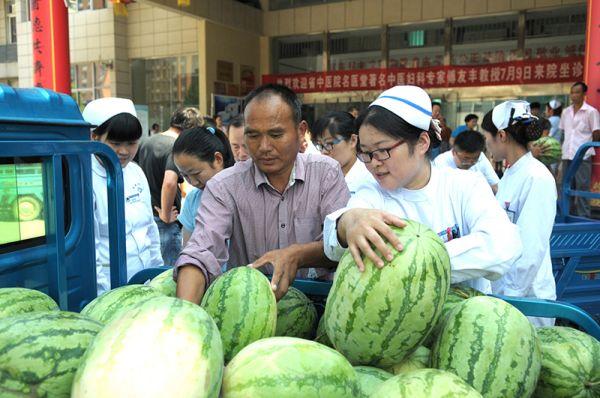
289	367
322	334
492	346
419	359
243	306
370	378
111	304
570	364
425	383
162	347
18	300
551	150
296	315
164	283
379	316
40	352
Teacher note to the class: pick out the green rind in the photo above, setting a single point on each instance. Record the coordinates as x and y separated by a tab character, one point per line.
419	359
370	378
111	304
40	353
296	315
321	335
163	347
492	346
570	364
19	300
552	150
289	367
379	316
243	306
164	283
425	383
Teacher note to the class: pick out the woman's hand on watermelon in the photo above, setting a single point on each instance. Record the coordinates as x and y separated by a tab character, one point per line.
365	229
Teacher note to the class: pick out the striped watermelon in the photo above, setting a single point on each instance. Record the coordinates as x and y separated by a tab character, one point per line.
296	315
419	359
426	383
370	378
322	334
163	347
40	353
164	283
109	305
289	367
490	345
570	364
18	300
243	306
551	150
377	317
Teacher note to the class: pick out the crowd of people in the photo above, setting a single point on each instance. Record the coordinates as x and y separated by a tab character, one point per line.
272	193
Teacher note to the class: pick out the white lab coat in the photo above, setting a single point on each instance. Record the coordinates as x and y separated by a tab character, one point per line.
482	166
527	192
460	207
141	233
357	175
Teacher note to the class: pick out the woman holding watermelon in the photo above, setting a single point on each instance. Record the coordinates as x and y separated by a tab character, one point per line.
527	192
396	134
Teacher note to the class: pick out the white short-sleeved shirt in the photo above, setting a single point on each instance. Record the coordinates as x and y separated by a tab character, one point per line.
578	128
482	166
357	175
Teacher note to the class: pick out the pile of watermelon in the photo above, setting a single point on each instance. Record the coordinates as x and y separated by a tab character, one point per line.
399	331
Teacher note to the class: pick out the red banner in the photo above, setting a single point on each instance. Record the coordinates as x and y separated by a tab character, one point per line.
50	26
592	78
538	71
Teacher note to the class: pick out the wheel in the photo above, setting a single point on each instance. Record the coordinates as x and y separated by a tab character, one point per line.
27	208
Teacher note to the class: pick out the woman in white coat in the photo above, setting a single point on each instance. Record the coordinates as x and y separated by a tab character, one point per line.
395	137
119	128
527	192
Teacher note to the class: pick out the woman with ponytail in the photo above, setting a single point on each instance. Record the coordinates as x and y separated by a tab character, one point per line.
199	154
527	192
396	134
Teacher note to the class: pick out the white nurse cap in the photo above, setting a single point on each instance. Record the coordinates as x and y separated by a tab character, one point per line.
411	103
100	110
510	112
555	104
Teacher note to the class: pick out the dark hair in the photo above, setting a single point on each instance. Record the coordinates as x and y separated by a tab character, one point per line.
352	108
186	118
394	126
286	94
338	123
122	127
155	125
438	103
582	84
237	121
470	141
202	143
470	117
521	131
557	111
208	121
535	105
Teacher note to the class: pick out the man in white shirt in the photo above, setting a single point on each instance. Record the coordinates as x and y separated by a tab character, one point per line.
580	123
467	154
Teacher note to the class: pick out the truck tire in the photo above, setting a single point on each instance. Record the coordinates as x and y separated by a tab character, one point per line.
27	208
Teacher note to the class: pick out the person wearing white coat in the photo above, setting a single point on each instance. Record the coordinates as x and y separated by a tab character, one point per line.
119	128
396	134
527	192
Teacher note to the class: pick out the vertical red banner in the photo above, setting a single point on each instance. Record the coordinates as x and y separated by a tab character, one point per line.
592	78
50	27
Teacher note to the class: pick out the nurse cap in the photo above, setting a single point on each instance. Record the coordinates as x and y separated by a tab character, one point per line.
411	103
510	112
99	111
555	104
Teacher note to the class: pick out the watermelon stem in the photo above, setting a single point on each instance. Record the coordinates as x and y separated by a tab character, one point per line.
589	384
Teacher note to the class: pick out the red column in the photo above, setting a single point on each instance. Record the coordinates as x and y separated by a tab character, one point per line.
50	26
592	78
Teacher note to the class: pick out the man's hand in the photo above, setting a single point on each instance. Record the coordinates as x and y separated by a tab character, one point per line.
363	229
167	218
285	263
191	284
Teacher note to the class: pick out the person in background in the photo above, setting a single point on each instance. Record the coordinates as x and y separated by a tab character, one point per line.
471	121
353	110
235	133
580	123
156	159
219	122
527	192
553	111
468	154
436	113
335	136
117	126
199	154
536	110
155	129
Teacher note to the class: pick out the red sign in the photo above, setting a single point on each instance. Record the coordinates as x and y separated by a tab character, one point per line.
507	73
592	78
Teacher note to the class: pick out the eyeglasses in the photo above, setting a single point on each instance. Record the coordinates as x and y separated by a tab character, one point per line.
328	146
379	154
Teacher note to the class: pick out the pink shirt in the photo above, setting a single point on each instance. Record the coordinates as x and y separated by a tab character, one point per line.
578	128
240	205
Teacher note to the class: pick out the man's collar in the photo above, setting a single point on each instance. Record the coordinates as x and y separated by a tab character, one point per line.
298	172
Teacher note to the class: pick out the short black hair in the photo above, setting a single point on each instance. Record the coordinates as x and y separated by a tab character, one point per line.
582	84
438	103
338	123
470	117
186	118
236	121
123	127
535	105
352	108
203	143
283	92
470	141
522	132
155	125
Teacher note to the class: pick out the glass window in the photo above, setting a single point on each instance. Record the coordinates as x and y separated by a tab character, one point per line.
556	33
82	5
91	80
355	50
282	4
415	46
298	54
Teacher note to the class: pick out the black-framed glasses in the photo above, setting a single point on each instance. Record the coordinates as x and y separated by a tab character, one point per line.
328	146
379	154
